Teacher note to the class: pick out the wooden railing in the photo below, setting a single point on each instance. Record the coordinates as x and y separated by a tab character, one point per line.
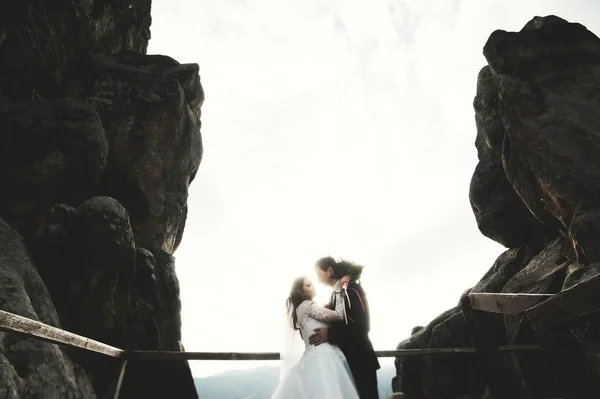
34	329
549	316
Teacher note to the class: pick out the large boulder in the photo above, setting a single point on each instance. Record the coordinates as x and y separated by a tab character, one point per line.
150	109
99	145
51	152
107	289
535	190
548	77
500	213
31	368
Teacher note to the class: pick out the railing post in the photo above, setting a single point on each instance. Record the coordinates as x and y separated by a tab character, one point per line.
115	387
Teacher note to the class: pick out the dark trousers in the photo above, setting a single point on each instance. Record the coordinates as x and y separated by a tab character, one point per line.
366	382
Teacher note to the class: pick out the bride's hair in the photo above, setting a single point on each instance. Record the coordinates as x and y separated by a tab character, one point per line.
294	300
341	267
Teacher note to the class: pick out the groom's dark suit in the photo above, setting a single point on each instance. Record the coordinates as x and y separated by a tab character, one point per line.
353	340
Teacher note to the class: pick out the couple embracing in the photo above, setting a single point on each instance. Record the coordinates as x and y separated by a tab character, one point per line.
338	360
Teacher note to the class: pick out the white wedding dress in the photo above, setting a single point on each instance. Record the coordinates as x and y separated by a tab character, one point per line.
322	372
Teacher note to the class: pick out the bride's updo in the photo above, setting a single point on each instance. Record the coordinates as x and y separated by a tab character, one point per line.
341	268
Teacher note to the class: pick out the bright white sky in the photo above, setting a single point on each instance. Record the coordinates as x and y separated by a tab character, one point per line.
339	127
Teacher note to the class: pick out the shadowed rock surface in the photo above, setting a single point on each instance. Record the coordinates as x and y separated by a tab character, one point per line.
40	40
29	368
100	143
536	190
150	109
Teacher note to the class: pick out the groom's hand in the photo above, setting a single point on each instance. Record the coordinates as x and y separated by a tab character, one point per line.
318	337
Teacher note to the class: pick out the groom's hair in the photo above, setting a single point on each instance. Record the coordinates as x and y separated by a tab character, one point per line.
341	267
327	262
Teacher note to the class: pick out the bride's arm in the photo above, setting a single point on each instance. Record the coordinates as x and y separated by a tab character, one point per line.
321	313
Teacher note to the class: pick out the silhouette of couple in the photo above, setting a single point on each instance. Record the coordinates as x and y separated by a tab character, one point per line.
338	360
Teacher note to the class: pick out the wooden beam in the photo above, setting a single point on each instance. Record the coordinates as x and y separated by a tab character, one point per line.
34	329
512	304
175	355
578	301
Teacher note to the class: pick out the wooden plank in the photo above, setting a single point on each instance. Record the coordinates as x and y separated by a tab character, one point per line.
512	304
573	370
578	301
175	355
34	329
504	381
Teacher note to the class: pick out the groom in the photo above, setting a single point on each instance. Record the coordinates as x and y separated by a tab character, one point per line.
353	337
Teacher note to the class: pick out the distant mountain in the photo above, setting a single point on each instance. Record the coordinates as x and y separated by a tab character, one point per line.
260	383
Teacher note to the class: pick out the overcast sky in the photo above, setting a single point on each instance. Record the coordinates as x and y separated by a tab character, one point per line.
339	127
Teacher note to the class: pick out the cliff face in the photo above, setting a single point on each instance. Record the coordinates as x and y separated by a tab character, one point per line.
99	143
536	190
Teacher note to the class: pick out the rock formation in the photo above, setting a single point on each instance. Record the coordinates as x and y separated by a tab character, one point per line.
99	145
536	190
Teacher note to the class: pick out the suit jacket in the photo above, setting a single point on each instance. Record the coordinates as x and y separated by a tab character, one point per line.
353	338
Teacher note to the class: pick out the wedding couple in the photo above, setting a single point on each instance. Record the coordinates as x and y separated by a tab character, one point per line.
338	361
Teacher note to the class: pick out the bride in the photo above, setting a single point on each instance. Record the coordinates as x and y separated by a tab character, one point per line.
322	372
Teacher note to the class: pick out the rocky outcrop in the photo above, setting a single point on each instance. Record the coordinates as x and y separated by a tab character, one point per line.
52	152
148	105
40	40
536	190
29	368
99	145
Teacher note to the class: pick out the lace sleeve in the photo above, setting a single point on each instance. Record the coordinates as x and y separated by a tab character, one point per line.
321	313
